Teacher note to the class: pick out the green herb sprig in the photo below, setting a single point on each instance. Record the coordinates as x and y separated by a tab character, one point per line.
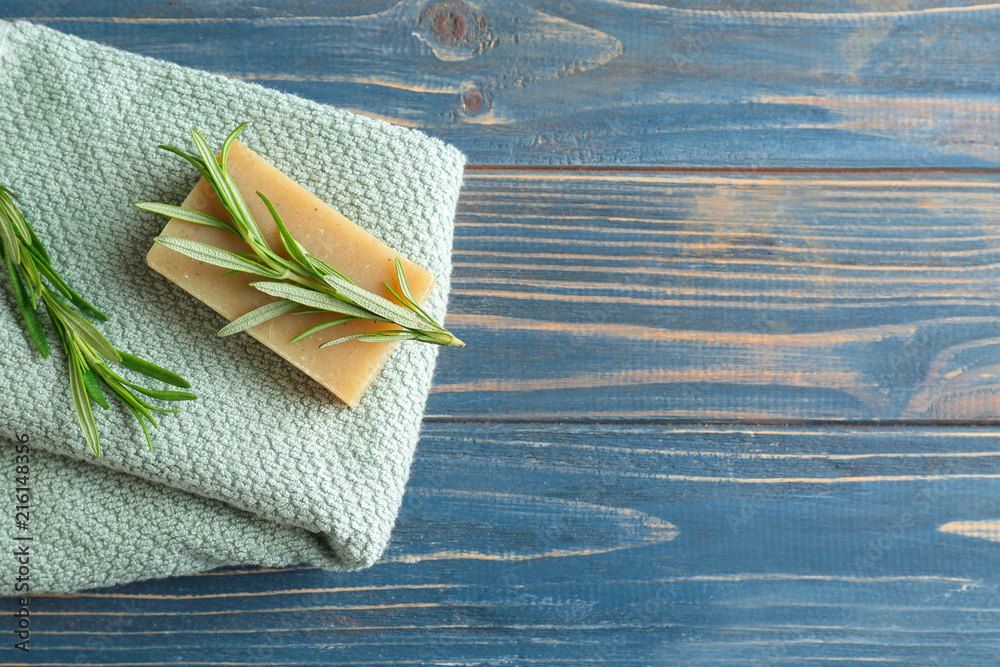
87	350
302	282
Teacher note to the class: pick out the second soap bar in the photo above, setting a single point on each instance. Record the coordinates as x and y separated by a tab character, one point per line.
346	369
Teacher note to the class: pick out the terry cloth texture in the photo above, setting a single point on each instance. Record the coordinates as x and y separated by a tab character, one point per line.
266	467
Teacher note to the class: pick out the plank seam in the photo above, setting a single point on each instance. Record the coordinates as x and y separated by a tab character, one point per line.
791	423
986	171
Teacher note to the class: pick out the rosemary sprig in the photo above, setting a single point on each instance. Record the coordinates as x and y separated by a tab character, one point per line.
301	283
88	352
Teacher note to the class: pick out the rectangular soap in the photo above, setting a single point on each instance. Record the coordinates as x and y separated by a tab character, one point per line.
346	369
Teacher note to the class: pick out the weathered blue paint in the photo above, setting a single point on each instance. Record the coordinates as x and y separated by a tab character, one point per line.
786	85
546	544
595	483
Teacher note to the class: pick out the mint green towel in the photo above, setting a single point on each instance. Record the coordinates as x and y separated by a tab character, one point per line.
266	468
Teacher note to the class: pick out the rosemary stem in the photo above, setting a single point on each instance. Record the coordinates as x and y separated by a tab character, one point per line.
301	278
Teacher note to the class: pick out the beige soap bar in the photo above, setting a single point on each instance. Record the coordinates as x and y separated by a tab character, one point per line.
347	369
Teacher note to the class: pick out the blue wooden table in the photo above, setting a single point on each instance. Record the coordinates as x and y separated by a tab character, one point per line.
730	274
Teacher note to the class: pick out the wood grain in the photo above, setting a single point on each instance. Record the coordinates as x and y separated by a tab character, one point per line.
834	553
646	295
685	83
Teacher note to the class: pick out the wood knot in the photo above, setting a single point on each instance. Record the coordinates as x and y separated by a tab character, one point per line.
449	26
456	24
472	100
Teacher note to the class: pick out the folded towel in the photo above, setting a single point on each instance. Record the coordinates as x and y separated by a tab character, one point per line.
266	467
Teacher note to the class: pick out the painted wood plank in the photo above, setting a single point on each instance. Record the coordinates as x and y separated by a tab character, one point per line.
694	296
788	546
609	82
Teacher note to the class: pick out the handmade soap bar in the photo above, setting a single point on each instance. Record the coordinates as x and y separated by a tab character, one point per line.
346	369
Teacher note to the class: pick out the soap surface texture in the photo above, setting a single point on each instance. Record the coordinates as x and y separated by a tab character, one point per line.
346	369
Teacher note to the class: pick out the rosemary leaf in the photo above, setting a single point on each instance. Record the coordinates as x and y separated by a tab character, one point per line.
94	387
342	339
87	309
41	262
257	316
320	327
139	406
309	297
404	285
212	255
321	268
8	239
162	394
190	158
81	328
226	189
292	246
378	337
31	278
186	214
18	223
229	142
81	403
138	418
134	401
382	336
372	302
409	301
150	369
30	314
36	244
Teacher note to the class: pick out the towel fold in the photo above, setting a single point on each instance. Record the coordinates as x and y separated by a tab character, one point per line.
266	467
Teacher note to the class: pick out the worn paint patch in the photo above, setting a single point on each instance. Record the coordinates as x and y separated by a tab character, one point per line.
985	530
